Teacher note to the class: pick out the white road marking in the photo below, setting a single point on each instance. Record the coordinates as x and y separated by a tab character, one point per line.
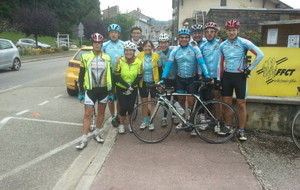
43	103
58	96
22	112
4	121
42	157
10	88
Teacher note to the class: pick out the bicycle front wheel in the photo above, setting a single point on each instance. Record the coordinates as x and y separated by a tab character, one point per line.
296	129
159	123
210	120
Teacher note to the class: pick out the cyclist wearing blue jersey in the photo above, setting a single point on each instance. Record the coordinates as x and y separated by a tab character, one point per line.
170	81
211	53
114	48
197	34
186	56
234	73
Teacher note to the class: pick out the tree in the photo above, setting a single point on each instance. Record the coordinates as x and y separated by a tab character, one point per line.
93	25
125	21
38	21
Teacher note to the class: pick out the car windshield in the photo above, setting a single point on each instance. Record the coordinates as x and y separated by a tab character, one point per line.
78	55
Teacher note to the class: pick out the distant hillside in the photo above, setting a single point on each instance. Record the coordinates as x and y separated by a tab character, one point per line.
157	22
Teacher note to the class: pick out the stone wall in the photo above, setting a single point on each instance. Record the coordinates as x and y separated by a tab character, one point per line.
272	114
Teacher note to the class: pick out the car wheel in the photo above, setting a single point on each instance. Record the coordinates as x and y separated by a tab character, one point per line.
16	64
72	92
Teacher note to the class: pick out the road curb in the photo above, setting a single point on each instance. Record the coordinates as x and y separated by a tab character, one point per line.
83	171
45	57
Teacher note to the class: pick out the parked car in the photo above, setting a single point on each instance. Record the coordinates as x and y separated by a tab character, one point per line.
73	71
64	42
30	43
9	55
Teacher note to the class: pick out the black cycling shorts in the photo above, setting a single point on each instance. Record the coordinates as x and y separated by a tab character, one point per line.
185	85
145	90
234	82
96	94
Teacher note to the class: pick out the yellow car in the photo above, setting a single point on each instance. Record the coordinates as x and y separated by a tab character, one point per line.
73	71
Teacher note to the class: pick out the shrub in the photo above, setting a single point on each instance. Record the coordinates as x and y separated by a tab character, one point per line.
65	48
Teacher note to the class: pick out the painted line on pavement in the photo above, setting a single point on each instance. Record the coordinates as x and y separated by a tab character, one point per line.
22	112
10	88
43	103
42	157
4	121
58	96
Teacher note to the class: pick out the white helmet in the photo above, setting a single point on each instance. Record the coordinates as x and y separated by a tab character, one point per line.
129	45
163	37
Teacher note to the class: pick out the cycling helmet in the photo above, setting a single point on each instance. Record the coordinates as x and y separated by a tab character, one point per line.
114	27
163	37
184	31
96	37
232	24
136	27
129	45
197	27
211	25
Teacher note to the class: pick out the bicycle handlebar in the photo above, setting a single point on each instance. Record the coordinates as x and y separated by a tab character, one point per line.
203	82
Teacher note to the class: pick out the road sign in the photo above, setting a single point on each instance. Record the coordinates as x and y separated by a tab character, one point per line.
80	30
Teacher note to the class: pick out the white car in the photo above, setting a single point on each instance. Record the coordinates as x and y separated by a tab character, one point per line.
30	43
9	55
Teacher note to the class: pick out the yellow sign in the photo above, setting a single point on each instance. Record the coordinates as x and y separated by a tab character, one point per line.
278	74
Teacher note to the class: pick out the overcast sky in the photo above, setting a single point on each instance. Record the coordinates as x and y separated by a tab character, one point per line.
158	9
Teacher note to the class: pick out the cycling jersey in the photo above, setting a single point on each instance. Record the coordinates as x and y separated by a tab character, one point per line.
128	72
114	50
151	63
233	54
97	71
211	54
163	60
186	59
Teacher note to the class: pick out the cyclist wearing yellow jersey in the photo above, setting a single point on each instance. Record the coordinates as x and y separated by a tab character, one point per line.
128	72
94	84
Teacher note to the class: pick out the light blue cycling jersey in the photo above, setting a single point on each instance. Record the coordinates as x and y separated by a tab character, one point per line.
114	50
234	54
163	60
211	53
186	59
147	70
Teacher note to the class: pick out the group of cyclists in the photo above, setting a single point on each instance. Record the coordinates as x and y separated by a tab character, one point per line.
115	72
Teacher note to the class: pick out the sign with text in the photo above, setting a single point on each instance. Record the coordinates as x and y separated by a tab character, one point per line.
278	74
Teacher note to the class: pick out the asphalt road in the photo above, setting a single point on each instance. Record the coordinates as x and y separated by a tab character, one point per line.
39	125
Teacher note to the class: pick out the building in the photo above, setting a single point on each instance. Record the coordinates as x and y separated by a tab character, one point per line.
189	12
111	12
143	21
284	33
251	18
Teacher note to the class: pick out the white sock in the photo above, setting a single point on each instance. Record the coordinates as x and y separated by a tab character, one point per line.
84	138
97	131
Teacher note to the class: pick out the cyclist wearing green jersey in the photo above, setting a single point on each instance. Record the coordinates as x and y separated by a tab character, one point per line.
128	72
94	84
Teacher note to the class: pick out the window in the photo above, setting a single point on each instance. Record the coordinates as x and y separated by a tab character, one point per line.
223	3
5	44
272	36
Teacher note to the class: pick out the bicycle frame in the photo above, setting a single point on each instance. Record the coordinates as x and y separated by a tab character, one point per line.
163	101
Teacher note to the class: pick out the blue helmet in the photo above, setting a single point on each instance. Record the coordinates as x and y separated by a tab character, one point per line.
114	27
184	31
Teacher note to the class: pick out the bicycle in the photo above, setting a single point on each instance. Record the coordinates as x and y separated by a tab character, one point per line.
296	129
217	113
